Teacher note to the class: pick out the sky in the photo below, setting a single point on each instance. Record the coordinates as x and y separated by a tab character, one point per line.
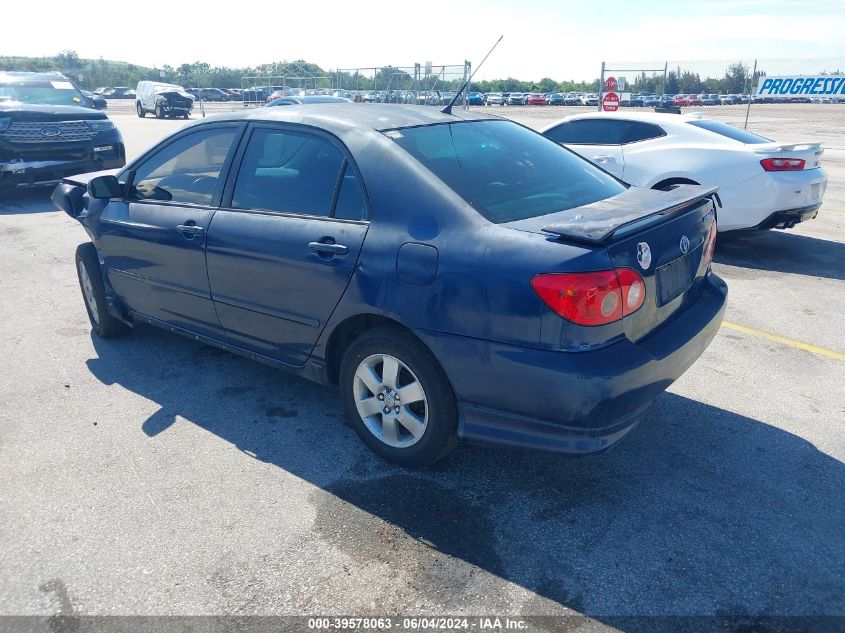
542	38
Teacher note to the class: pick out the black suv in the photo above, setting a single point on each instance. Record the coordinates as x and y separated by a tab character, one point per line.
49	130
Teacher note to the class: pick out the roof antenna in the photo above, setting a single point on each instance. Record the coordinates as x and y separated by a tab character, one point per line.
448	108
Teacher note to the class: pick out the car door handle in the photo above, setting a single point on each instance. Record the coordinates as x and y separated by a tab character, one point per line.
604	158
190	230
325	248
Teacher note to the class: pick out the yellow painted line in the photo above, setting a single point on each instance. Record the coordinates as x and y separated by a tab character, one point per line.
808	347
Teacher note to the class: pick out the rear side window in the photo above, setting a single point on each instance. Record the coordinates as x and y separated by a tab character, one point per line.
350	200
288	171
639	131
723	129
505	171
589	132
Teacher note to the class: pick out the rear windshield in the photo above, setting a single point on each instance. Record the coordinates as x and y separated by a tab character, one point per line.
731	132
505	171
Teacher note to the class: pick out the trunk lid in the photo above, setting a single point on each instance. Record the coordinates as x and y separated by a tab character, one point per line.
661	235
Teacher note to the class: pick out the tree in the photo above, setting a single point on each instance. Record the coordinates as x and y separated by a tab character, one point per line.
68	60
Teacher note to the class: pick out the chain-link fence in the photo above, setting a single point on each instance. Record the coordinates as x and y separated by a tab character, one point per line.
806	104
420	84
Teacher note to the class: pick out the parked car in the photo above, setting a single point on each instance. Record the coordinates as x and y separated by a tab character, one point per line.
573	99
762	183
681	100
373	239
494	98
695	100
94	100
652	101
516	98
163	100
49	129
555	98
535	98
121	92
708	99
591	99
307	100
212	94
475	98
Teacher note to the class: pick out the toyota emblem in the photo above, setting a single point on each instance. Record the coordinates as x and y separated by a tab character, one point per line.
684	244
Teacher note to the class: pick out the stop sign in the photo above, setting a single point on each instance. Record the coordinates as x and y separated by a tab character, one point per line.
610	102
610	84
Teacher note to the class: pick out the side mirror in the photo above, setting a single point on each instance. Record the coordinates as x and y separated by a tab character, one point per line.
99	103
104	188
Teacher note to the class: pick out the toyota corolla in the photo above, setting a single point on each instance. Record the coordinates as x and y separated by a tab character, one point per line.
456	275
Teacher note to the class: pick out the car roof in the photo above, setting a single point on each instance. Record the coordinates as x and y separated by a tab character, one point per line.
338	117
15	75
649	117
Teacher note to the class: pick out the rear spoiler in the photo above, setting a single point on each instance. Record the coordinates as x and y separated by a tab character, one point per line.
632	210
790	147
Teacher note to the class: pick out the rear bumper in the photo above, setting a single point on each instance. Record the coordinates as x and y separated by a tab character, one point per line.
789	218
573	402
751	203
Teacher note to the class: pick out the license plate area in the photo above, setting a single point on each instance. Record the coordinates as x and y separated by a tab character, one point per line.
675	278
815	191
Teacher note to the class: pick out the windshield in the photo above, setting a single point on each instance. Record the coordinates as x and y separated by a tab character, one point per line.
505	171
42	92
731	132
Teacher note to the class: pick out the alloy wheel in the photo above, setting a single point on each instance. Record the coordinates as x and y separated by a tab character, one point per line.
390	400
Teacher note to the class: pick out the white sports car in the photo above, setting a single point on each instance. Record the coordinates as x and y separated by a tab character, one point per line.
762	184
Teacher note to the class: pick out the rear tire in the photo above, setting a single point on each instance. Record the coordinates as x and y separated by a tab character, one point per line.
140	109
380	369
94	293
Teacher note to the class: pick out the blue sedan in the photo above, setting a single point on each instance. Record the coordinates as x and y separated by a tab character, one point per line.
456	275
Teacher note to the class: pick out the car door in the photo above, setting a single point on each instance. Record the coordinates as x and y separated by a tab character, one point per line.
283	247
641	148
596	139
153	242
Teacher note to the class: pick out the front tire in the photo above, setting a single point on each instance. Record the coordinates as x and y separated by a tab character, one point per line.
140	109
397	397
159	111
94	293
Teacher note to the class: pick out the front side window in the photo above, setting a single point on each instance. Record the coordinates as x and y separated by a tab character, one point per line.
186	170
505	171
288	172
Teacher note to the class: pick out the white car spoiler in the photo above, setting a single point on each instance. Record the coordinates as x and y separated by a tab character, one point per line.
790	147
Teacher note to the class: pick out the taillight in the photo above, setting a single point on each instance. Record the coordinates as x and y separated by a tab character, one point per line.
711	243
594	298
782	164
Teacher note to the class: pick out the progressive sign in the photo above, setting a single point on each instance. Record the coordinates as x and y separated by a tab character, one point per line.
802	85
